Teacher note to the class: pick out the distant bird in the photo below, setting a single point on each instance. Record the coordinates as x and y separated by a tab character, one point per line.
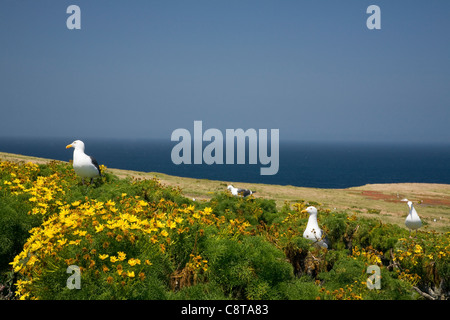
85	166
412	221
313	232
242	192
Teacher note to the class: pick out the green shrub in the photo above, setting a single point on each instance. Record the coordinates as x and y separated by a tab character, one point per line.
225	248
246	269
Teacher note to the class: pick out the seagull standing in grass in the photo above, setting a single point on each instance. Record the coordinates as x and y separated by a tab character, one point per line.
412	221
237	191
85	166
313	232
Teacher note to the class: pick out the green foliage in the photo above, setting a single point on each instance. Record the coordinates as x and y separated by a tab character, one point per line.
251	209
175	248
14	225
246	269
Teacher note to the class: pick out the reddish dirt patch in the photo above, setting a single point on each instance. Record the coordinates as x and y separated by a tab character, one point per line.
376	195
435	202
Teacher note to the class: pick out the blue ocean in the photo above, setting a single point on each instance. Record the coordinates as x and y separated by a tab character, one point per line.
317	165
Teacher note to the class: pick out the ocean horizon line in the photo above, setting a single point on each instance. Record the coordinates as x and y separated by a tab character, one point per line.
303	164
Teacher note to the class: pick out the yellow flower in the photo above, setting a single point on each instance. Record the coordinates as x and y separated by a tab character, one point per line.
76	203
99	228
80	233
32	260
32	199
179	220
132	262
103	256
113	259
147	262
122	255
164	233
130	274
143	203
171	224
76	242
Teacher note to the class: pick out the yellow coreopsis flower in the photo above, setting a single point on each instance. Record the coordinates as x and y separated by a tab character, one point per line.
143	203
113	259
113	209
159	224
179	220
417	248
132	262
164	233
171	224
130	274
122	255
103	256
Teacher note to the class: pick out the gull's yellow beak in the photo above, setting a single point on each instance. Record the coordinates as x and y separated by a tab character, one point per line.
304	211
68	146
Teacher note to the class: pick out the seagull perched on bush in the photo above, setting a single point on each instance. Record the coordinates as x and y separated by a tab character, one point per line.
313	232
85	166
412	221
242	192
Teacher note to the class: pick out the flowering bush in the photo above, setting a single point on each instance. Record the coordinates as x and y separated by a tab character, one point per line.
138	239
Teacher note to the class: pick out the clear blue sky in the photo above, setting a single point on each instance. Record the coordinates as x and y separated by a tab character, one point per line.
141	69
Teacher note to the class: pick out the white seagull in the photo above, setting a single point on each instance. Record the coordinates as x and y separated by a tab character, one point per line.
242	192
412	221
85	166
313	232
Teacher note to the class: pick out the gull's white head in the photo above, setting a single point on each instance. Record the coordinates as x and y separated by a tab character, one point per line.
410	204
311	210
77	144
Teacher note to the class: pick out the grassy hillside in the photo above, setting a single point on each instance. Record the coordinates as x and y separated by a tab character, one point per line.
381	201
141	236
